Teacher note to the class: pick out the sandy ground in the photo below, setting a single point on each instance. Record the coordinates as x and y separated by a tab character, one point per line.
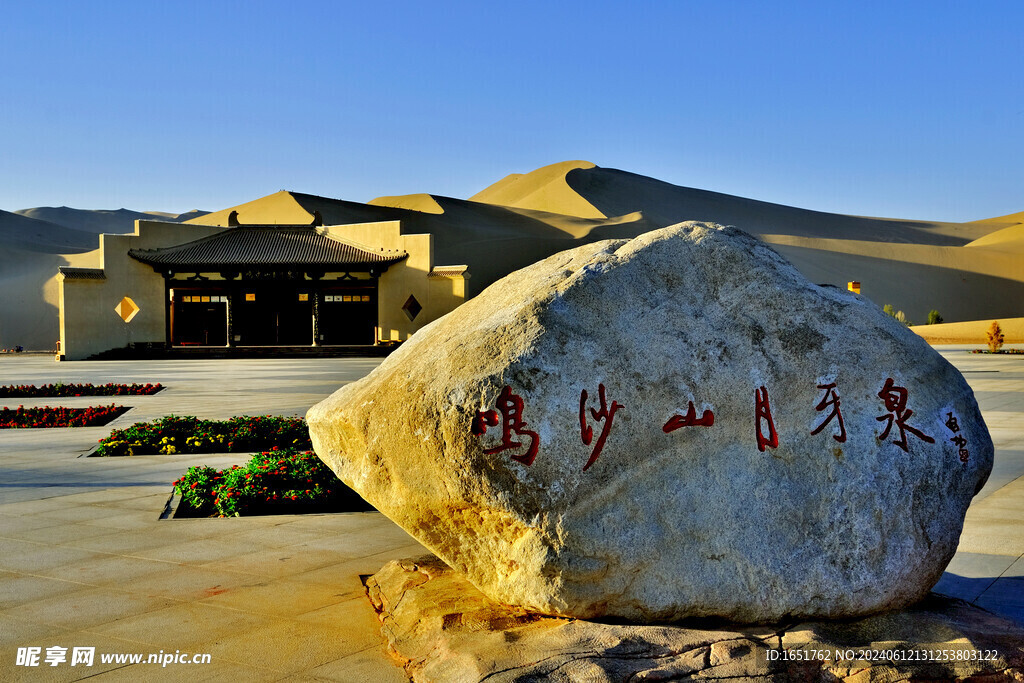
971	332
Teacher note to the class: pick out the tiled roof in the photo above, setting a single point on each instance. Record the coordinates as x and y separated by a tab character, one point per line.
71	273
277	245
447	272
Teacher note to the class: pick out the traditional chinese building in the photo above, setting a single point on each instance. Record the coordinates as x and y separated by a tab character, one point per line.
170	285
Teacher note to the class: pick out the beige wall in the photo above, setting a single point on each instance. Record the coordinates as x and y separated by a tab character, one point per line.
88	322
406	278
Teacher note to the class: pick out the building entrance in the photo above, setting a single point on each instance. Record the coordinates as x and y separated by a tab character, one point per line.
348	316
273	314
199	319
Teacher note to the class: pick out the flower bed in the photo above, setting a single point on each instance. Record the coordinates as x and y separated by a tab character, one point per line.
1009	351
275	482
94	416
173	434
60	389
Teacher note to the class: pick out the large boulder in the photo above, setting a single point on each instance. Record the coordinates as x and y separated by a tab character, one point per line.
675	425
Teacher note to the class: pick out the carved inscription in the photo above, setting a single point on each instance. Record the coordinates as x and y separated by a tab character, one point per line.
605	414
510	408
895	399
831	400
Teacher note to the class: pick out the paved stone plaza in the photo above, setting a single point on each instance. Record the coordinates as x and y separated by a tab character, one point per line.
85	560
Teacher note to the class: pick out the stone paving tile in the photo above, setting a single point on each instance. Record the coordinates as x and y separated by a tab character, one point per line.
64	671
970	574
26	556
282	597
369	665
17	632
139	540
85	608
182	626
126	521
17	588
194	673
181	582
17	523
993	525
278	536
347	573
201	551
353	545
293	646
1006	597
277	562
107	570
58	533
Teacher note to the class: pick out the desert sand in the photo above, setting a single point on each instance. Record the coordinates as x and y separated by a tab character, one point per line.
966	271
971	332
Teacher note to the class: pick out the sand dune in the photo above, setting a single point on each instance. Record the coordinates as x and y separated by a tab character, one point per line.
31	234
545	189
916	266
493	240
98	221
424	203
1009	239
1003	221
966	271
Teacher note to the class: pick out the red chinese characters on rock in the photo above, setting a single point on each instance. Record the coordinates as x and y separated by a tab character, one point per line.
961	443
763	413
509	414
606	414
830	399
706	419
895	399
510	406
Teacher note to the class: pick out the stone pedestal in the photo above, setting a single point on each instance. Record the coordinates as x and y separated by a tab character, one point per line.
441	628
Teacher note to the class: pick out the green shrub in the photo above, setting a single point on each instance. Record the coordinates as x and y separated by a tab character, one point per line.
933	317
283	481
900	316
174	434
196	489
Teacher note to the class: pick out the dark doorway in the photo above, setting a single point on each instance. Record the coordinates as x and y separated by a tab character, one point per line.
348	316
199	319
273	314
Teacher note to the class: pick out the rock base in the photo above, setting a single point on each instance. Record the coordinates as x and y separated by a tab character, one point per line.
441	628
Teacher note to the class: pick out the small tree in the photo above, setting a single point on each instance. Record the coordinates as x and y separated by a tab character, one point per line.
900	316
933	317
994	337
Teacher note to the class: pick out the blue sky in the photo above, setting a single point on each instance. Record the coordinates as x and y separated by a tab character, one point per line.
907	109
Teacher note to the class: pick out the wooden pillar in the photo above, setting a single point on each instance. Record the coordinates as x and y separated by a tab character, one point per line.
316	317
229	314
169	313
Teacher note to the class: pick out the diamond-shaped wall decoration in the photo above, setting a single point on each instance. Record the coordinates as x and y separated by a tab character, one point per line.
412	307
127	309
